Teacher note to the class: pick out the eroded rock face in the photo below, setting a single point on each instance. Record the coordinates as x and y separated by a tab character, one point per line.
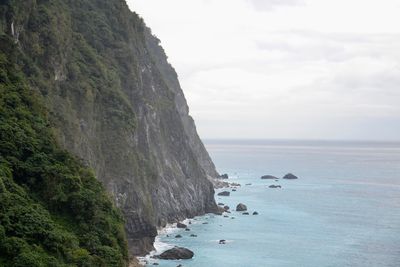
176	253
224	193
116	103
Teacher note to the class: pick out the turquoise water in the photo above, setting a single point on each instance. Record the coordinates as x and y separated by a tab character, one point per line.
344	210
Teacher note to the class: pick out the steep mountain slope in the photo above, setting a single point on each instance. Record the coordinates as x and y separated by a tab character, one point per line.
53	212
115	102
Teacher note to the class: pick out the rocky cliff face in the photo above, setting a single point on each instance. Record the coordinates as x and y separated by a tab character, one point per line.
115	102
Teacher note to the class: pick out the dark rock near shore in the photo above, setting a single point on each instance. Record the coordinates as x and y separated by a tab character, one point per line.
181	225
178	236
290	176
234	190
224	193
245	213
220	204
176	253
255	213
241	207
193	235
205	222
219	210
223	176
222	241
187	229
275	186
248	184
269	177
226	208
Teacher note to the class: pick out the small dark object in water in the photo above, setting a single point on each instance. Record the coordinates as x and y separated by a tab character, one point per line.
241	207
290	176
269	177
275	186
224	193
255	213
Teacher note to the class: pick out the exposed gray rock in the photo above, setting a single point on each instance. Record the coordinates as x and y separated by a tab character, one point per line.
178	236
241	207
176	253
226	208
245	213
255	213
132	126
222	242
290	176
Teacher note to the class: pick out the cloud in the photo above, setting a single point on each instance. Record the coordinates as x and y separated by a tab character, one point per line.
303	69
268	5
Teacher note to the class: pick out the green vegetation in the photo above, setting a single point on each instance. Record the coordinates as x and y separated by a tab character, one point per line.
53	212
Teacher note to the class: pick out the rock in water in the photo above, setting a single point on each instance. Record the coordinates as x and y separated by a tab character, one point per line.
223	176
222	241
224	193
290	176
245	213
178	236
275	186
226	208
255	213
176	253
241	207
181	225
269	177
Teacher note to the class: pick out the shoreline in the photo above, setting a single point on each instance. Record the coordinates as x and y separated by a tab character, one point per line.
171	228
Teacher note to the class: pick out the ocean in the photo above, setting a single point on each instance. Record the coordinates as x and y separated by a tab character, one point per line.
344	210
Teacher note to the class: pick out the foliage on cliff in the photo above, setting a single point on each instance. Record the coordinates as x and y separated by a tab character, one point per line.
53	212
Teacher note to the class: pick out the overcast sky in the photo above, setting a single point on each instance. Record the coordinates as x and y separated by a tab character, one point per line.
303	69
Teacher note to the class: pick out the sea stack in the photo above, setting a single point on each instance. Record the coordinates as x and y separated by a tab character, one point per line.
290	176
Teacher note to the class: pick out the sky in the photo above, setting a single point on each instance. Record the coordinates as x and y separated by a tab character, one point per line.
286	69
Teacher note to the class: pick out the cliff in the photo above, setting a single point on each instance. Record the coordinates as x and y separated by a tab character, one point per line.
115	102
53	212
